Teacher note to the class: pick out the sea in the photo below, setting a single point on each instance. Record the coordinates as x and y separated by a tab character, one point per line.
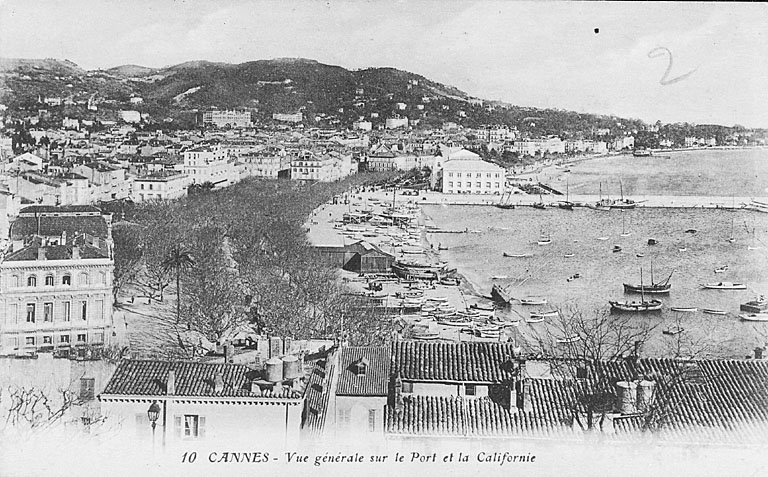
691	245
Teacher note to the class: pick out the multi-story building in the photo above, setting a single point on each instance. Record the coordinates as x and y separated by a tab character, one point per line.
163	185
56	280
288	118
472	177
209	163
227	118
269	163
322	167
107	182
52	189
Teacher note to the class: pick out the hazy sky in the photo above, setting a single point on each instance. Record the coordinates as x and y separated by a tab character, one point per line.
543	54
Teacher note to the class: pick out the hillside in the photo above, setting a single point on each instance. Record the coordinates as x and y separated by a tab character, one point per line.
334	95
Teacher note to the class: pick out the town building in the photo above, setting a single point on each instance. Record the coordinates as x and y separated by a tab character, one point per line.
227	118
107	182
51	189
323	167
56	280
458	171
161	185
130	116
209	163
288	118
269	163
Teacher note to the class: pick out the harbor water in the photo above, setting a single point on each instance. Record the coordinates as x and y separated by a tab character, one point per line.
692	244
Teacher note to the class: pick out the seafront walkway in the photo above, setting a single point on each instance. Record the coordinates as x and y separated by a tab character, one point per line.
681	201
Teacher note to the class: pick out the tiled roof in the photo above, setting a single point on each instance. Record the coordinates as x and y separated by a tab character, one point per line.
482	362
56	252
725	400
318	394
375	381
466	417
192	379
49	226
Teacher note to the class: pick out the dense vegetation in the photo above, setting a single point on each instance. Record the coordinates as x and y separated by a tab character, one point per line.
241	260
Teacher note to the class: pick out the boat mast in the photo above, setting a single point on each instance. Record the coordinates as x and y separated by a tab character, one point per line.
642	287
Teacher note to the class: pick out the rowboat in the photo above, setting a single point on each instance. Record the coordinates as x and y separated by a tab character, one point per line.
533	301
684	309
499	277
754	317
517	255
673	330
724	286
426	336
571	339
650	305
543	314
483	306
712	311
568	255
721	269
534	320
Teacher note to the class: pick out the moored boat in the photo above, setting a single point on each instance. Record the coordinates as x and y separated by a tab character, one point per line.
684	309
636	306
754	317
724	286
712	311
533	301
543	314
653	288
534	319
517	255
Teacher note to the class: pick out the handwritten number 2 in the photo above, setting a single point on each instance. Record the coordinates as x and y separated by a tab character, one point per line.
660	51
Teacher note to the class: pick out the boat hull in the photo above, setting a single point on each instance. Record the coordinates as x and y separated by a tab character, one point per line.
653	289
755	317
633	306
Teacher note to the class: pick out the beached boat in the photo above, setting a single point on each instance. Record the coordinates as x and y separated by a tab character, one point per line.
673	330
426	336
654	288
543	314
569	339
483	306
712	311
407	269
534	319
499	293
533	301
754	317
724	286
517	255
684	309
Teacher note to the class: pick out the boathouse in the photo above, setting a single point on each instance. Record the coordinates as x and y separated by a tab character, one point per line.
360	257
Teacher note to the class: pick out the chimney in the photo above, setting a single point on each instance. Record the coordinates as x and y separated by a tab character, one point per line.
626	392
398	395
218	382
524	396
41	253
170	387
229	353
759	353
645	391
75	253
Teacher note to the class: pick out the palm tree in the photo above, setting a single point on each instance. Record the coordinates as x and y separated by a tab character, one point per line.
179	259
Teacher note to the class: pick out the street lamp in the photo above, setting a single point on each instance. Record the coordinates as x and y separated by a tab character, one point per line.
152	413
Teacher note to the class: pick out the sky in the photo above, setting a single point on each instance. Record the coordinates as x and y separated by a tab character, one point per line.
694	62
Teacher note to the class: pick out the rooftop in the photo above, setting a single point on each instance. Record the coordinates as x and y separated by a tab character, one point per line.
374	381
481	362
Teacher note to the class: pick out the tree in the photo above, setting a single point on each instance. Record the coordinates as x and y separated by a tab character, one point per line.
127	256
178	260
580	348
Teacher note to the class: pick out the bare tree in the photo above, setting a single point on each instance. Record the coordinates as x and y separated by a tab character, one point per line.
580	347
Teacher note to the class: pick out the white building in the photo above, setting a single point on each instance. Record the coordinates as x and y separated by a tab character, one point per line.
362	125
326	167
288	118
130	116
239	119
160	186
209	163
458	171
394	123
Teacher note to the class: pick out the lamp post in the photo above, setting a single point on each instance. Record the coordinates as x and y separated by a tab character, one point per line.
152	414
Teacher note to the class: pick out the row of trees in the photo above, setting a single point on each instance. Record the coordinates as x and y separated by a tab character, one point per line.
238	259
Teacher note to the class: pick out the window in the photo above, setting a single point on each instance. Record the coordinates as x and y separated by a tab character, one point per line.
84	310
189	426
15	281
478	175
11	316
47	311
64	339
344	418
478	184
450	184
496	184
102	278
67	309
470	389
81	338
458	174
371	420
66	280
99	306
47	340
488	185
49	280
407	387
83	278
32	281
30	312
497	175
450	174
87	386
142	186
488	175
13	342
29	341
98	337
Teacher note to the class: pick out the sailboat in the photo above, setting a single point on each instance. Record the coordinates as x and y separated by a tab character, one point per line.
505	201
653	288
602	204
544	239
637	306
623	203
566	204
624	232
732	238
540	204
